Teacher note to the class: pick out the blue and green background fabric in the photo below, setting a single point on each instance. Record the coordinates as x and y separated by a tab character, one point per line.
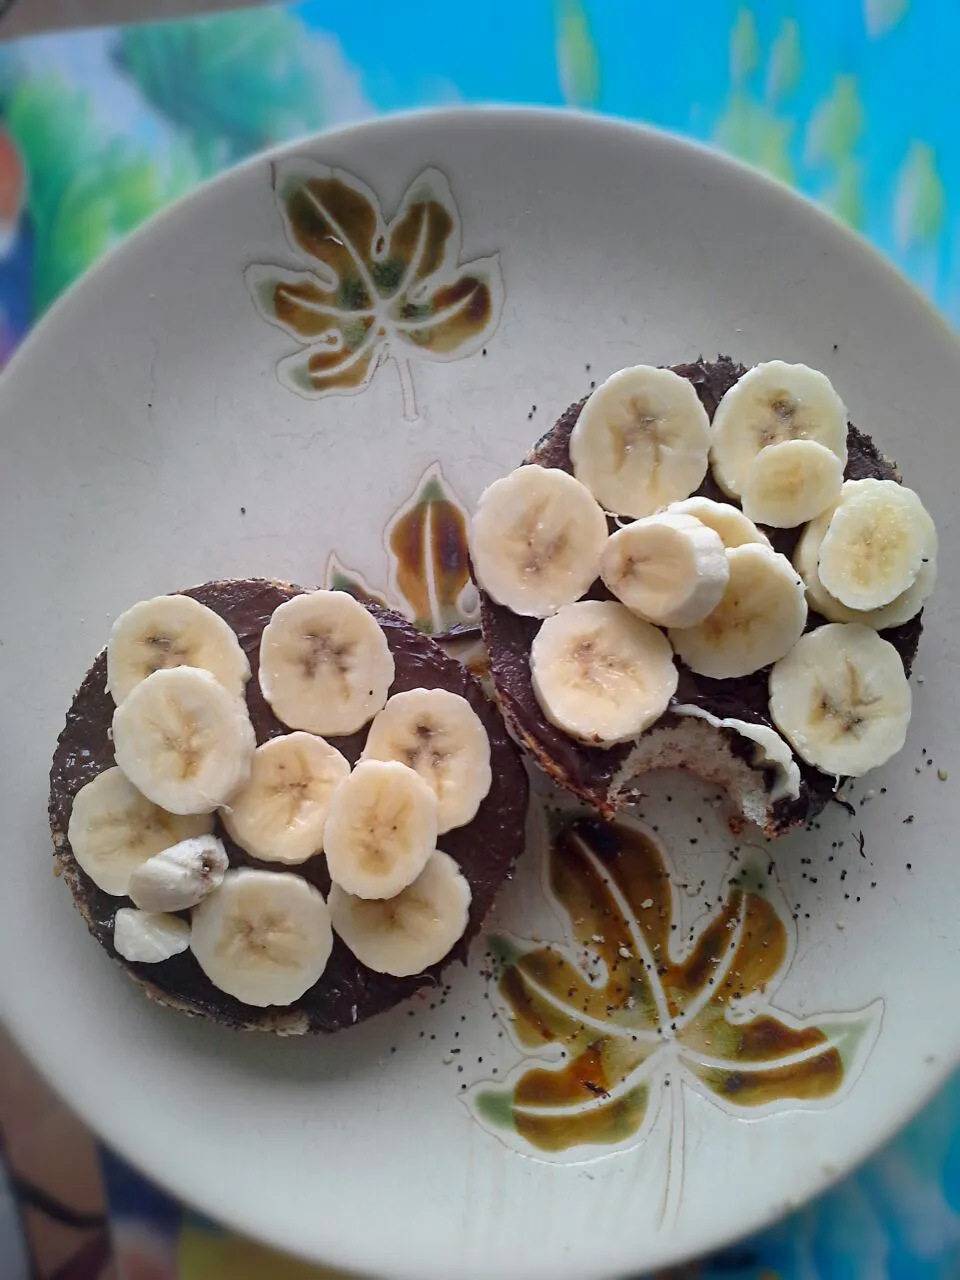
853	102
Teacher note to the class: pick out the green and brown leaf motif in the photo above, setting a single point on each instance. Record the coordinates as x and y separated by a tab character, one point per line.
337	577
369	289
632	1012
429	561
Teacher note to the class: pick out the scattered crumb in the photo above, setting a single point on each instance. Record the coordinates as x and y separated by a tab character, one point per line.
908	819
841	924
942	775
243	511
646	904
597	937
625	952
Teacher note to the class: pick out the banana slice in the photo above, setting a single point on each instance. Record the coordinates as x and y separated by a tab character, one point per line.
792	482
113	829
760	618
669	568
878	539
147	938
806	560
325	665
770	403
412	931
728	521
280	814
381	829
535	540
438	734
263	937
600	673
184	740
181	876
641	441
172	631
842	699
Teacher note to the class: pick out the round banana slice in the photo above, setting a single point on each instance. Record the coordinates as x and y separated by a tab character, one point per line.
760	618
181	876
842	699
381	829
600	673
728	521
172	631
263	937
641	441
280	814
147	938
325	665
409	933
806	560
114	829
438	734
184	740
669	568
878	539
535	540
770	403
792	482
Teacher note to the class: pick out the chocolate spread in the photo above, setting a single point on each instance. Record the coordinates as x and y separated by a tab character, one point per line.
347	992
589	771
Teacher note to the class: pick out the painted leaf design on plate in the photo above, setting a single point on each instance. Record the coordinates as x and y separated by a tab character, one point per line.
632	1011
370	289
429	556
337	577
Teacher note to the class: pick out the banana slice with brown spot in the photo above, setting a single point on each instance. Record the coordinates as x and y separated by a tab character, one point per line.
281	813
771	403
381	829
669	568
641	441
600	673
325	665
842	699
439	735
535	540
878	539
263	937
184	740
760	617
114	829
412	931
172	631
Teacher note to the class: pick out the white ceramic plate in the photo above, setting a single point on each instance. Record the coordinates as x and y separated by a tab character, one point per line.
160	430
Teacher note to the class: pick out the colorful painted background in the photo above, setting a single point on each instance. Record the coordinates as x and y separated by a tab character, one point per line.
854	102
